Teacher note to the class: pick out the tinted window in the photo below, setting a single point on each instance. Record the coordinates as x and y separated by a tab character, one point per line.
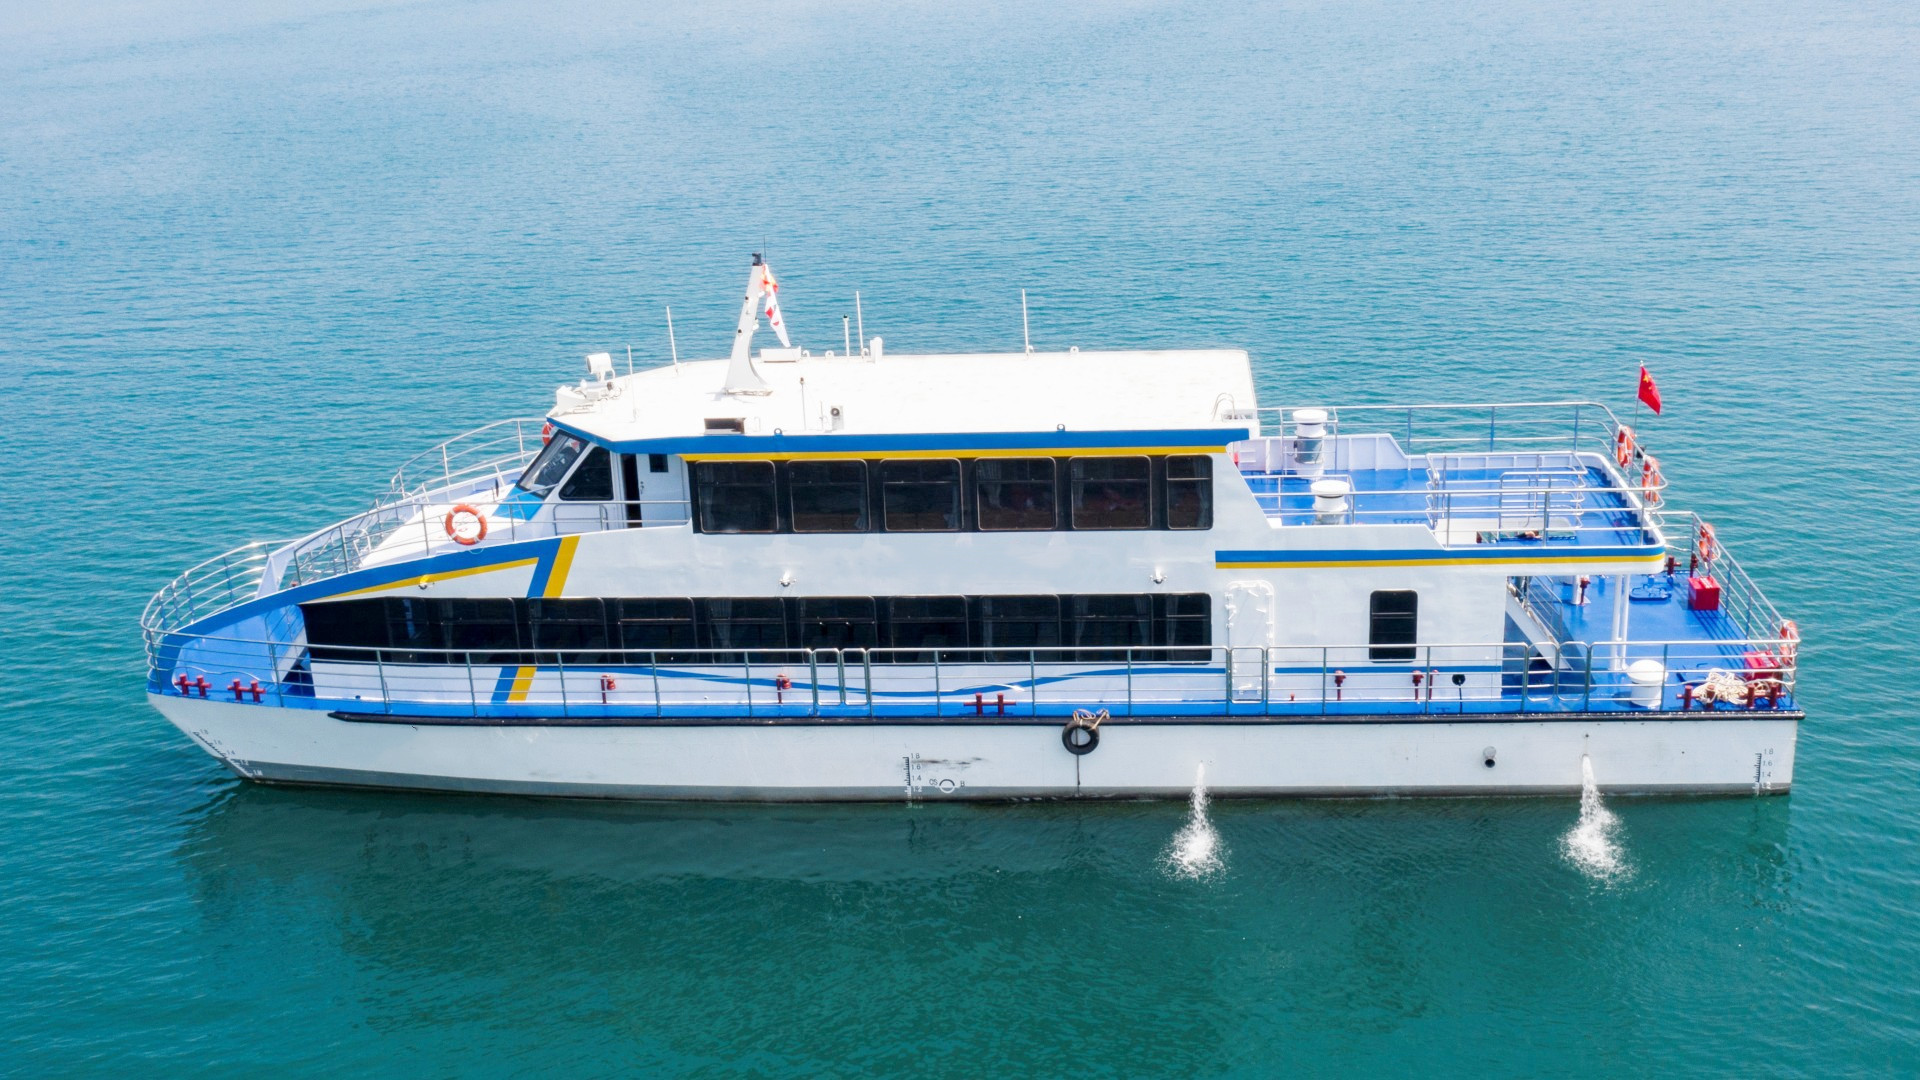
1393	624
551	466
928	623
1189	491
735	496
482	631
574	628
593	480
655	625
835	622
355	627
1015	624
754	623
1184	621
1108	625
828	496
414	630
1112	493
920	496
1014	493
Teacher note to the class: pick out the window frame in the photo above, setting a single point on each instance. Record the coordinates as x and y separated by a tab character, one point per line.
1076	486
580	467
887	485
1386	648
701	487
1203	485
980	483
555	446
793	486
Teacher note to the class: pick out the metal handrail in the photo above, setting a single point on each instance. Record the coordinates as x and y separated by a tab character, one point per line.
484	451
208	587
1502	677
348	546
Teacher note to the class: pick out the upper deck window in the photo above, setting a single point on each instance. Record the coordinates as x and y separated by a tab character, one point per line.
827	496
551	466
736	496
920	496
1189	491
1014	493
593	480
1112	493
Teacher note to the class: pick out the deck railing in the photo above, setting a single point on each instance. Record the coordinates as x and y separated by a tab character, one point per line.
209	587
614	684
419	527
1575	426
499	451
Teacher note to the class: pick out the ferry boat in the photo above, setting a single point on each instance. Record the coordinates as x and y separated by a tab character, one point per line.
797	576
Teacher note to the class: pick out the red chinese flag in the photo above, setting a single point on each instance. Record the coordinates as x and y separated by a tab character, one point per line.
1649	393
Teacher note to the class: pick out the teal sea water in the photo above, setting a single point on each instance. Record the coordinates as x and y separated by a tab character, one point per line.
251	259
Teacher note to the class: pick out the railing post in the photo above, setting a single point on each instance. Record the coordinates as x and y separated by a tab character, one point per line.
840	672
1033	683
866	675
1129	681
936	682
473	695
1586	694
746	667
813	678
1664	650
1323	680
560	665
380	670
1227	701
1266	681
653	665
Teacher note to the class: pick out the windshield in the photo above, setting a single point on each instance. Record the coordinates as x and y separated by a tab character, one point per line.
551	466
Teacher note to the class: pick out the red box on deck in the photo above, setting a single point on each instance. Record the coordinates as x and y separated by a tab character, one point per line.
1703	593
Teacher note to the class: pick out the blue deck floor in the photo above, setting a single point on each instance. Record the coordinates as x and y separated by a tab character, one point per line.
1405	497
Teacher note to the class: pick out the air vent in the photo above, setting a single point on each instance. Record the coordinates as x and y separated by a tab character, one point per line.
734	425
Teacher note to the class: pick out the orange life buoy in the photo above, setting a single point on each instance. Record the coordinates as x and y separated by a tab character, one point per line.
546	432
1705	546
459	537
1623	446
1789	642
1651	481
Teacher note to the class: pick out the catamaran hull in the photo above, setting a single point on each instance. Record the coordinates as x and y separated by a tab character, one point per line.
758	760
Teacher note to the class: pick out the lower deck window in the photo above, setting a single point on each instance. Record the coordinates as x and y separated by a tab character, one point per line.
639	631
1392	625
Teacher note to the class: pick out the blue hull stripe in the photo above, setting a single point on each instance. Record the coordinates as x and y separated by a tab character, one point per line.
1540	553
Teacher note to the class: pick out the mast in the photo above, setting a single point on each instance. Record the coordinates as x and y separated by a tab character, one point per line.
742	376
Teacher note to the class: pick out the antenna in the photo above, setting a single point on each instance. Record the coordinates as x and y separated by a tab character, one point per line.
629	360
672	344
862	320
846	335
1024	335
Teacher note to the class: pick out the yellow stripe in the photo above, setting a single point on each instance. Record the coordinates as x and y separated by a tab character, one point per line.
1649	560
1030	452
428	579
522	682
562	564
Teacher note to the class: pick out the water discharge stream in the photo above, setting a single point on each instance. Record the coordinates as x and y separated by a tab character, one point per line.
1592	844
1195	851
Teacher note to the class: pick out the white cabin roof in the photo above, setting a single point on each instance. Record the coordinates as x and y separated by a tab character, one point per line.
1149	390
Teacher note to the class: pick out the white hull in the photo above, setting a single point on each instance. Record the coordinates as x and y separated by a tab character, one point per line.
945	759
